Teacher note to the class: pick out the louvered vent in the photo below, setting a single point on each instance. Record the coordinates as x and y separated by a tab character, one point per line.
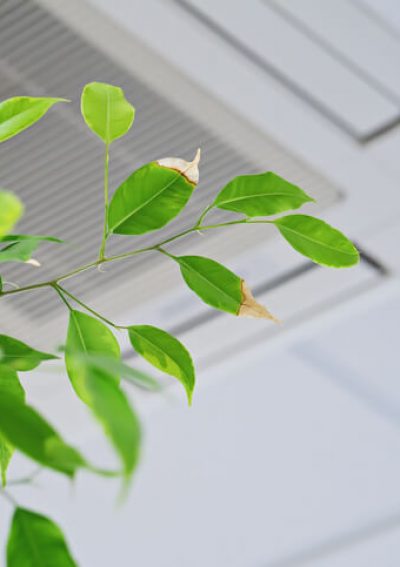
56	167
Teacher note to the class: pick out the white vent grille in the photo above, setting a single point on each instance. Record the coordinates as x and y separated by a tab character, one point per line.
56	167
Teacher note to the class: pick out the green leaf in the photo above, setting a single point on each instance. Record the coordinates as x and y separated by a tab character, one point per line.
164	352
220	288
87	336
261	195
152	196
106	111
21	112
98	386
36	541
318	241
30	433
11	210
119	368
24	237
9	384
20	356
213	283
6	453
22	246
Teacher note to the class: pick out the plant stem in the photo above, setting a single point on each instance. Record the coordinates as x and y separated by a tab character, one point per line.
7	496
54	283
203	214
95	313
25	479
59	290
105	228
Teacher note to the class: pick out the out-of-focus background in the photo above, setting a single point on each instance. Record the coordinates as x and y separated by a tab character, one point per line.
290	455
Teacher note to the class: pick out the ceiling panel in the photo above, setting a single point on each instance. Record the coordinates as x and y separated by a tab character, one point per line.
348	32
284	50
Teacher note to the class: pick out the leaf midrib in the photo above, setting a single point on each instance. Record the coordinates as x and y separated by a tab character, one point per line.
31	542
27	111
283	227
160	350
251	196
190	268
145	203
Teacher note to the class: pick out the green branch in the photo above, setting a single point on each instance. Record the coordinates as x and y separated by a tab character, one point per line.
196	228
105	228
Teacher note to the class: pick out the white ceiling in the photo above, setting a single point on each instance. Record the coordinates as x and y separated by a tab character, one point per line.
291	454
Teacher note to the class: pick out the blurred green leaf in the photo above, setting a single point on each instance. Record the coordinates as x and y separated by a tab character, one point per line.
165	352
98	386
11	210
87	336
29	432
21	246
318	241
21	112
20	356
119	368
106	111
36	541
261	195
9	384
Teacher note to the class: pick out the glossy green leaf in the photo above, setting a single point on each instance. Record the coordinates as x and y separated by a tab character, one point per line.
220	288
11	210
20	247
36	541
25	429
318	241
165	352
19	355
213	283
152	196
261	195
9	384
106	111
21	112
98	386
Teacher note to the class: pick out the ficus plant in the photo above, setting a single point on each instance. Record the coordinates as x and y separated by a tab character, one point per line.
149	199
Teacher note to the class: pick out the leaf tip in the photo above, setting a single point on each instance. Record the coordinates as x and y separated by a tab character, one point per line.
189	169
33	262
249	307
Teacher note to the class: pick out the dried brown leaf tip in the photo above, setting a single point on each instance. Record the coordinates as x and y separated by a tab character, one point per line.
189	169
33	262
251	308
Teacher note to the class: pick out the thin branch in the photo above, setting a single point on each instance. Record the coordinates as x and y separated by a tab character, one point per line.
90	309
58	290
155	247
105	228
26	479
7	496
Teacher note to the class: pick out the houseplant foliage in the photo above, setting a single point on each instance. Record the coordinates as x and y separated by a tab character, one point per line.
150	198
